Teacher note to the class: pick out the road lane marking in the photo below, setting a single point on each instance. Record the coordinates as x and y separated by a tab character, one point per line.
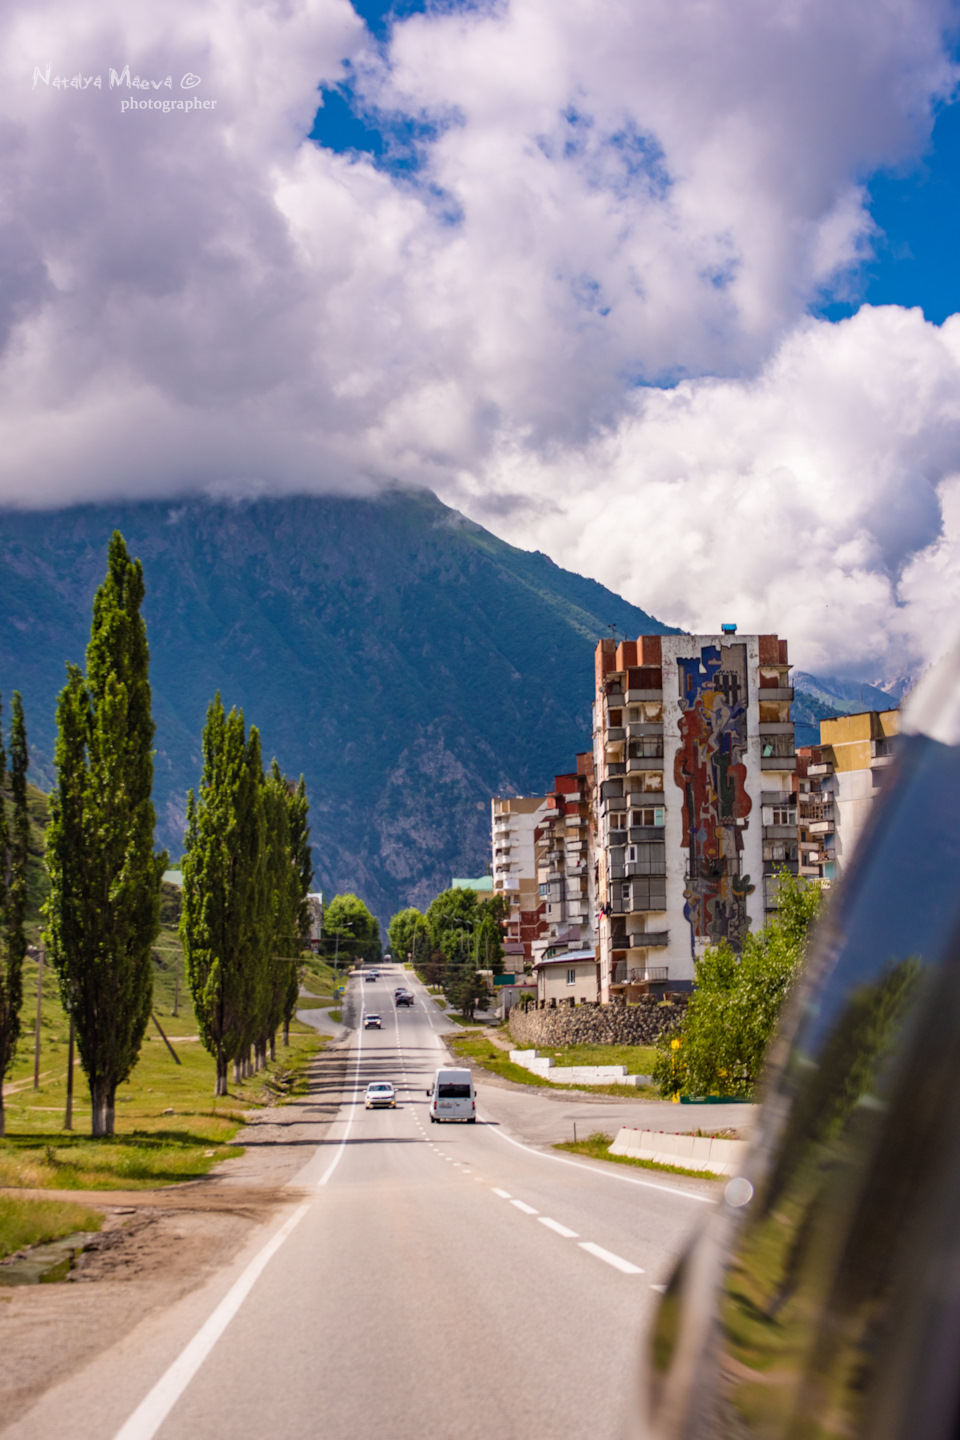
153	1410
557	1228
527	1209
612	1174
611	1259
504	1194
660	1289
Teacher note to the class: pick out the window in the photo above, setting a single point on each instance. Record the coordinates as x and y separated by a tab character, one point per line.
649	893
450	1091
648	747
652	858
783	816
650	815
572	975
544	889
618	820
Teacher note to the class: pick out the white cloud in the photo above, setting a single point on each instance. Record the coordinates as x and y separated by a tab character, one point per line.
622	192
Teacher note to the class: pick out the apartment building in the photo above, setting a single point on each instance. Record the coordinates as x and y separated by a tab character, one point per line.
816	841
855	752
695	802
514	821
564	853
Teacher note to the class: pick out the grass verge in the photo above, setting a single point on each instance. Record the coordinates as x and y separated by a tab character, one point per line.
36	1222
474	1045
597	1147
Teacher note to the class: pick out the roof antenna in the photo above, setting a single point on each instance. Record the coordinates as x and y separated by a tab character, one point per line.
613	632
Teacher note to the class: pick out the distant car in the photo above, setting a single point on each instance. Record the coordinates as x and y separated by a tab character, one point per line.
400	990
404	998
380	1094
372	976
372	1022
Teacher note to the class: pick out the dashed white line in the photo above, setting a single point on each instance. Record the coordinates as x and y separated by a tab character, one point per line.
527	1209
504	1194
609	1258
557	1228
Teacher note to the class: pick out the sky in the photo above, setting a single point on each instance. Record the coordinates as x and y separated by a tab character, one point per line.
664	288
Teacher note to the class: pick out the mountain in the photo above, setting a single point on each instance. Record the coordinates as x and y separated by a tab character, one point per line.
409	663
819	698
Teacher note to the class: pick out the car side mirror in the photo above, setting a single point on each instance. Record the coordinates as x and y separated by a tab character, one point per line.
429	1093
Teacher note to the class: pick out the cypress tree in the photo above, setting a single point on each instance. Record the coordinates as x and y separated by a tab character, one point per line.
223	923
103	913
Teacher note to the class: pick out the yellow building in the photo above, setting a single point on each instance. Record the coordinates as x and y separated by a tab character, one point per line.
855	750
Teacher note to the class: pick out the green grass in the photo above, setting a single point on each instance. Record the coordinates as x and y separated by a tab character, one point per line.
597	1147
336	1015
169	1126
637	1058
474	1045
36	1222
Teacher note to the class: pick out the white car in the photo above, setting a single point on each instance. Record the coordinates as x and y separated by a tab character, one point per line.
380	1092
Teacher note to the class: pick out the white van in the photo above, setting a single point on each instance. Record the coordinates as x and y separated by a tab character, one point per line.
452	1097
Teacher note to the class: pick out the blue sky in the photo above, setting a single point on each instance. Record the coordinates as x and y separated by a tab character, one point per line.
917	253
917	211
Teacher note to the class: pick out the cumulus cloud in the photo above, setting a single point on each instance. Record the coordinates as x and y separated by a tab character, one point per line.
583	317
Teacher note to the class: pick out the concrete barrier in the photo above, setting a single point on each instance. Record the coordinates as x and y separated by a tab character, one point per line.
546	1066
690	1152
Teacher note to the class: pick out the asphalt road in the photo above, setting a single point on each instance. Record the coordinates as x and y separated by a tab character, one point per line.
424	1281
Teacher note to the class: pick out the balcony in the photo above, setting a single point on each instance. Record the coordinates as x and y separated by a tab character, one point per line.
624	974
821	827
637	697
616	734
779	832
774	692
775	727
648	939
824	769
645	729
779	762
639	763
616	767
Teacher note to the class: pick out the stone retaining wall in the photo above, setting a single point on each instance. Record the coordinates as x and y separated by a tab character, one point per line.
614	1024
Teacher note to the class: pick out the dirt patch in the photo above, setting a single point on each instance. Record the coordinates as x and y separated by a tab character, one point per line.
157	1245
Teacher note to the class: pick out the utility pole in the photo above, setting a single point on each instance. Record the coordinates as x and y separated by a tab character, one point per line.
36	1045
176	983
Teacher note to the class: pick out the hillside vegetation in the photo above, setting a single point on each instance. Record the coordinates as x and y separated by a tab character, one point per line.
407	661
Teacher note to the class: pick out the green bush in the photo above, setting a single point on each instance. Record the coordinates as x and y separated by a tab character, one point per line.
736	1003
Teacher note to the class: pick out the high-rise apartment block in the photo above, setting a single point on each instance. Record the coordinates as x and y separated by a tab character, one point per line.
564	852
515	822
695	805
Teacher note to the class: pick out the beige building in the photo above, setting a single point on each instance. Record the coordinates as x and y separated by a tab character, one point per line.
572	976
516	821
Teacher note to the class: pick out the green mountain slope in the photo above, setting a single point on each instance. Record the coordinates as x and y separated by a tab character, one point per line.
407	661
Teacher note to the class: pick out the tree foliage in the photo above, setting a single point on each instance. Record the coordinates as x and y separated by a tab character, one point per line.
350	933
401	930
103	912
736	1002
246	872
14	845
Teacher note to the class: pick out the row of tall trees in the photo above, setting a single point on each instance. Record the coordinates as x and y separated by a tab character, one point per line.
459	935
247	870
246	874
14	844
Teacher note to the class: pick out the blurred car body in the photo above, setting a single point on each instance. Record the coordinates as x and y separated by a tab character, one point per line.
822	1298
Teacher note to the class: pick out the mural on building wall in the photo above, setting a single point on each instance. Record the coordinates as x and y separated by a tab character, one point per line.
710	770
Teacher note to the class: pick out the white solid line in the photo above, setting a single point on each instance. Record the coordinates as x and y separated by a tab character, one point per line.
150	1414
504	1194
557	1228
610	1258
612	1174
527	1209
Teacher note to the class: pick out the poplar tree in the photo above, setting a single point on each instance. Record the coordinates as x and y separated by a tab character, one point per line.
14	846
301	861
225	903
103	912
